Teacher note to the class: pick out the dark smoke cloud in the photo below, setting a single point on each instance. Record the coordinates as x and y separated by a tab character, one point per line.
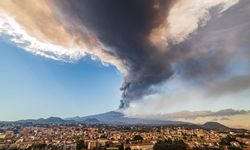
216	56
125	25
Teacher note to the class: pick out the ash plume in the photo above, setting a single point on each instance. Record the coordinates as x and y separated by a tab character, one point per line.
125	27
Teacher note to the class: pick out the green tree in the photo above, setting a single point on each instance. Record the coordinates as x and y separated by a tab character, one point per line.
137	138
38	146
80	145
170	145
127	148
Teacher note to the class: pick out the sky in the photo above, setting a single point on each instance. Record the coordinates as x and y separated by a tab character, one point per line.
34	86
71	58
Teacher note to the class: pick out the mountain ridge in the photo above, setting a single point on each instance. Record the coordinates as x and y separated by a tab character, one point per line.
118	118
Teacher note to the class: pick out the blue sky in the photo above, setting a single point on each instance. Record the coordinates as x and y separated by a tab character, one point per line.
33	86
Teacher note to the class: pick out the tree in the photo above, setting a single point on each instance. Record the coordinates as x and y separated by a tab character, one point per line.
170	145
227	142
38	146
80	145
137	138
121	147
127	148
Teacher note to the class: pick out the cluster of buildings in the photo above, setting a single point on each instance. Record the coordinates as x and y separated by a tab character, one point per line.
113	137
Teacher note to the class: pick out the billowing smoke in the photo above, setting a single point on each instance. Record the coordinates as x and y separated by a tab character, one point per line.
125	27
150	41
128	28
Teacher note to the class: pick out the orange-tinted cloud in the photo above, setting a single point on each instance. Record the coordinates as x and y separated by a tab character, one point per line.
34	26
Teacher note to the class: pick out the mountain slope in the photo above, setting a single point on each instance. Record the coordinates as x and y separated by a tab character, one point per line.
214	126
114	117
118	118
50	120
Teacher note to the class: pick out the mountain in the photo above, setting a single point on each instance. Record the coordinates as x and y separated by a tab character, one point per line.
91	121
115	117
50	120
101	117
118	118
214	126
220	127
112	117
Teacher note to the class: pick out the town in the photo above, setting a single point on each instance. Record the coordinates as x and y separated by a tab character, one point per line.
119	137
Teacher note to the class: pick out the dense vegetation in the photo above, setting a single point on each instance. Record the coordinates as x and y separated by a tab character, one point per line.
170	145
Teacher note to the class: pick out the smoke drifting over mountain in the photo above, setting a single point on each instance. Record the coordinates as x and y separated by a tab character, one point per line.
196	114
149	41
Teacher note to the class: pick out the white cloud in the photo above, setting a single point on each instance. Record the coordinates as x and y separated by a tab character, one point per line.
38	30
184	18
18	35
